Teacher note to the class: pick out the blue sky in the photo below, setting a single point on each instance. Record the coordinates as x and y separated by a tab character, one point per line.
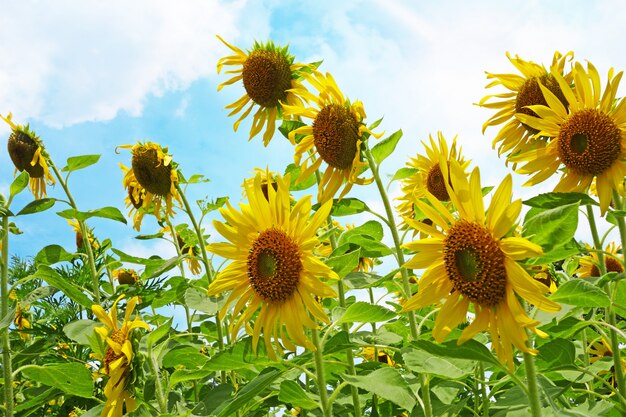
89	76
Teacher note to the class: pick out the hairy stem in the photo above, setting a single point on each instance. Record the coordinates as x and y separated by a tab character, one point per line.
4	310
321	378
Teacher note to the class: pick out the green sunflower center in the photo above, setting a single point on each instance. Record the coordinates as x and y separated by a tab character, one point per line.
22	149
474	263
266	77
436	184
274	265
589	142
530	94
151	173
335	135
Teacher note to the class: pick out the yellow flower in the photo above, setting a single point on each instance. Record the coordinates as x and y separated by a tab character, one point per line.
428	176
368	353
27	153
589	139
126	276
469	259
21	321
273	269
269	77
191	250
79	235
335	137
117	362
613	261
601	349
543	274
151	179
516	136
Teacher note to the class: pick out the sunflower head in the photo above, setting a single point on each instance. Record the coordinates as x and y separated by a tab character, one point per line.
152	179
334	137
126	276
524	91
273	269
613	262
372	354
28	154
268	179
270	77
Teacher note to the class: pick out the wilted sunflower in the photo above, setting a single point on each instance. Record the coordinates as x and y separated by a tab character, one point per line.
273	269
428	176
118	359
269	77
613	261
470	260
126	276
80	243
589	139
151	179
28	153
335	137
516	136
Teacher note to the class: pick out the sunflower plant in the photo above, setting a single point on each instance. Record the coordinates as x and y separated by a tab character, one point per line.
296	297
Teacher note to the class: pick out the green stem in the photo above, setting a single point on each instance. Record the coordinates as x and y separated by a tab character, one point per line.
391	222
4	310
157	380
321	378
180	266
85	232
483	388
533	387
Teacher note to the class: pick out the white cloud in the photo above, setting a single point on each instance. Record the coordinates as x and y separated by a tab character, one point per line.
72	61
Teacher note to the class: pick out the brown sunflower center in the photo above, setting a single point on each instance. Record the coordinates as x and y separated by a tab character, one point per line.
266	77
474	263
136	201
436	184
335	134
589	142
127	277
22	149
530	94
274	265
151	173
110	355
612	265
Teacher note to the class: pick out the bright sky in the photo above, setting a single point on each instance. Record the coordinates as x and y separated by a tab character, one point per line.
90	75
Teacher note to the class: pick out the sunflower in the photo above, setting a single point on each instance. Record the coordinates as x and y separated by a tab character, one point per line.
118	359
545	275
269	77
21	320
151	179
79	235
600	349
613	261
187	247
470	260
126	276
273	269
28	153
427	176
335	137
516	136
267	177
369	354
588	140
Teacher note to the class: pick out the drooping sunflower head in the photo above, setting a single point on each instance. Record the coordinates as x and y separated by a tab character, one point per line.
126	276
334	137
273	270
523	91
268	179
471	258
587	137
152	179
613	262
270	78
28	154
80	243
428	176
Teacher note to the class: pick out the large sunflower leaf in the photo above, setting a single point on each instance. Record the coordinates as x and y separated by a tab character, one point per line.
552	228
385	147
581	293
75	163
72	378
387	383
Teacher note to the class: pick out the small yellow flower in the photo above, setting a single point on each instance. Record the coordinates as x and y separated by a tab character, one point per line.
28	154
21	321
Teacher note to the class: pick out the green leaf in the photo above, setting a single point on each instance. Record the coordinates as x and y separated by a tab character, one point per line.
552	227
80	330
297	184
337	343
581	293
418	360
112	213
37	206
53	278
75	163
555	200
370	248
569	249
385	147
52	254
249	391
149	237
292	393
288	125
199	300
19	183
386	383
363	312
343	264
346	207
370	228
7	319
155	335
359	280
557	352
72	378
403	173
186	356
37	294
471	349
